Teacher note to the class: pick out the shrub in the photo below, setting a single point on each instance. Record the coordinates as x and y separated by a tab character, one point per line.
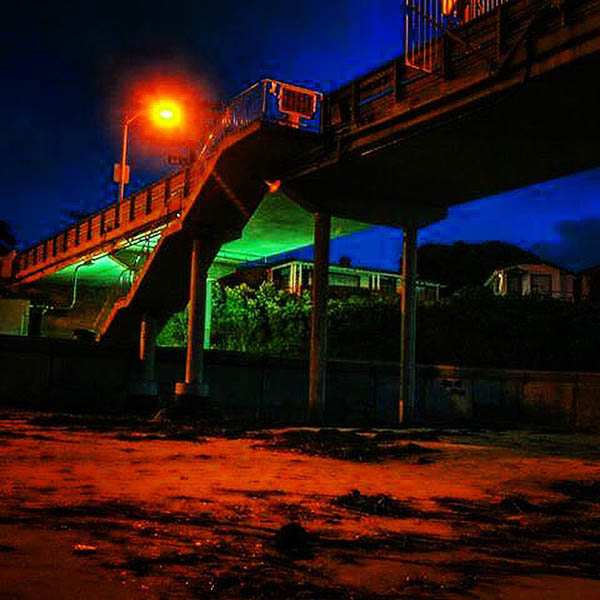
471	328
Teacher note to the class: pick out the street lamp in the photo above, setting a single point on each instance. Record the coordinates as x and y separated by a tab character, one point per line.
165	114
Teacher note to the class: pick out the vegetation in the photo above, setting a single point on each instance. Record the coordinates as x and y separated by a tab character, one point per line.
261	321
476	328
471	328
174	333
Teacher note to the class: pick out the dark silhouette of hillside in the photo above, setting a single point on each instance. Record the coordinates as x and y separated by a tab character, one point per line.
463	264
7	238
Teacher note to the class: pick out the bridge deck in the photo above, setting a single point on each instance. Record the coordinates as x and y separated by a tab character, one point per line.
512	102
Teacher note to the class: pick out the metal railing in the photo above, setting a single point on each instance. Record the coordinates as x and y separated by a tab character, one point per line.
471	48
426	22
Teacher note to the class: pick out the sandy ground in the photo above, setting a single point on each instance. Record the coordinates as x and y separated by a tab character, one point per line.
94	509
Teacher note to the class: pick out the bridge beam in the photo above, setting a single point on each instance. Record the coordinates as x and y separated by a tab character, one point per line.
318	329
194	386
408	372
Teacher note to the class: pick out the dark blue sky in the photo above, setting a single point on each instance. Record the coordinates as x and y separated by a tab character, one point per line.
69	64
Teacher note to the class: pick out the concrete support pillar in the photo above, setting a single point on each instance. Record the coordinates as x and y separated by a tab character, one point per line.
208	313
35	321
408	374
147	355
194	385
318	330
146	384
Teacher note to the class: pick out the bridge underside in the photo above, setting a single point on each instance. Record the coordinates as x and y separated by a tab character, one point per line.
278	225
533	131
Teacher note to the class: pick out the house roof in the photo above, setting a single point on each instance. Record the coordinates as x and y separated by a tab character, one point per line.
524	267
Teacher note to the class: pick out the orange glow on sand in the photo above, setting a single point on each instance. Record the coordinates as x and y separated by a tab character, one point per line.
137	510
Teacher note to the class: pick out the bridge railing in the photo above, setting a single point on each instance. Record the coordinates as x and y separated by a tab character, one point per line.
150	206
426	22
475	48
268	100
271	101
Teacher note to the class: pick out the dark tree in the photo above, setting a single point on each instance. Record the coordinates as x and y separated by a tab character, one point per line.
345	261
7	238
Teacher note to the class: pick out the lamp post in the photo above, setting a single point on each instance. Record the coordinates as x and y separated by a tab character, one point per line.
165	114
121	174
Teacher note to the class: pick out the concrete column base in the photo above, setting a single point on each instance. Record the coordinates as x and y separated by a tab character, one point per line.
192	400
191	390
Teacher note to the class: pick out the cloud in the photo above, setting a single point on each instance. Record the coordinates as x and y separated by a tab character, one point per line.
578	246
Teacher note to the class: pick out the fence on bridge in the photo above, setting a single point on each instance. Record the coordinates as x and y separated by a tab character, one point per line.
443	47
427	21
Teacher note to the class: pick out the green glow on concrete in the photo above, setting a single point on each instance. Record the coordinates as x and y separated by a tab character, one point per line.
208	313
280	225
101	272
105	270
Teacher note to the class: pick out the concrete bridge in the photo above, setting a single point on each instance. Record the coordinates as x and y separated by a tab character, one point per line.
476	106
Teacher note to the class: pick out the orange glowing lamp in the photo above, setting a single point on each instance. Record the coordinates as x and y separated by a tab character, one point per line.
166	114
448	7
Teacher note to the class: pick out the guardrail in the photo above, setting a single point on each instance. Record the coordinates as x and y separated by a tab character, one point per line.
479	47
268	100
426	21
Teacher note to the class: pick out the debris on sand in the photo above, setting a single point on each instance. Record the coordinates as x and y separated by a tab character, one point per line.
99	423
516	503
293	540
376	504
345	445
422	435
579	490
142	566
84	549
265	582
138	429
185	435
9	434
408	450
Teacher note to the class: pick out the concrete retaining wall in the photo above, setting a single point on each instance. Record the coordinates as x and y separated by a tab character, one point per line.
61	374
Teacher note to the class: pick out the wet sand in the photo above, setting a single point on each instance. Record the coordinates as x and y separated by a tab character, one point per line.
94	508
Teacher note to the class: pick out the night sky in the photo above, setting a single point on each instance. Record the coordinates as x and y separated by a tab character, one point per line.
69	69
